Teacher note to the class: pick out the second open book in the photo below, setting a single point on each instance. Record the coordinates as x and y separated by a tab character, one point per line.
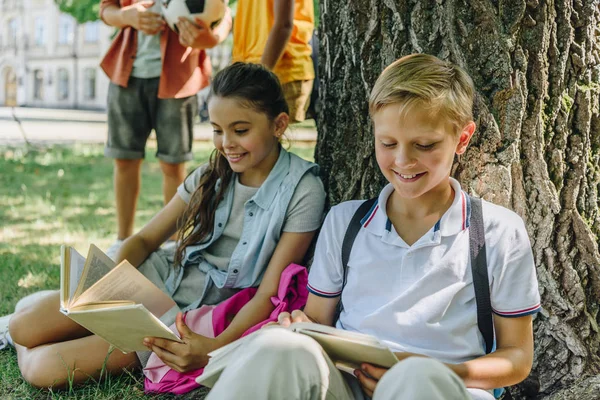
348	350
115	302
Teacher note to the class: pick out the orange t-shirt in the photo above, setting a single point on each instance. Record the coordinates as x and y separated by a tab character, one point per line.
251	26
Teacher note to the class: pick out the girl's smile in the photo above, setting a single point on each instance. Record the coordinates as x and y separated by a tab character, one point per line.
247	138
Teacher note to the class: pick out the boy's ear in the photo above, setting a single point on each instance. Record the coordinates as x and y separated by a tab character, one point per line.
465	137
281	124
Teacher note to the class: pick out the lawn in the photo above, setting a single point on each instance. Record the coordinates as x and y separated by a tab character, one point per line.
63	195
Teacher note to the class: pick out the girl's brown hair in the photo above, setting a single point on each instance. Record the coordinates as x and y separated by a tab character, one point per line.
255	87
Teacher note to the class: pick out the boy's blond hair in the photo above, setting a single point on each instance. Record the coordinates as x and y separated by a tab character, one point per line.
426	81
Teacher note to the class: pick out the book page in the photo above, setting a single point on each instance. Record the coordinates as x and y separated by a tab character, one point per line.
125	282
72	265
96	266
124	327
352	352
330	330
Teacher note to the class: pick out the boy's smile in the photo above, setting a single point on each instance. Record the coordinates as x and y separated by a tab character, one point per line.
415	150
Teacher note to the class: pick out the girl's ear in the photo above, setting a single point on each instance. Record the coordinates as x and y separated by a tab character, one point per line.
465	137
281	123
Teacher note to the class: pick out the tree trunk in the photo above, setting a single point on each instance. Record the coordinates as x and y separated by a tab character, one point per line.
536	67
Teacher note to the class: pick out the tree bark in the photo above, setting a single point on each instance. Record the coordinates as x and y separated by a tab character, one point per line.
536	68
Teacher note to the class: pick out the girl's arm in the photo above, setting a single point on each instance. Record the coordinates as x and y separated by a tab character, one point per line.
509	364
291	249
160	228
192	353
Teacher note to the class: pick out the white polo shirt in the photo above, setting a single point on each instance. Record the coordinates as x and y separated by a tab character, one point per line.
421	298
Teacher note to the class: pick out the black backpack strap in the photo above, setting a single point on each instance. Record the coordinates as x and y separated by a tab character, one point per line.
351	232
479	269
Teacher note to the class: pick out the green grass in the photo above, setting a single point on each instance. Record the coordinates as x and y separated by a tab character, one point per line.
63	195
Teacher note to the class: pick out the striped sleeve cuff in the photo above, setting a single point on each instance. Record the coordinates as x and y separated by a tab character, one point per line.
519	313
322	293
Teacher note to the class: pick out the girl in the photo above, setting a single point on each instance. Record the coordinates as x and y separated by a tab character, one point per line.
409	279
242	218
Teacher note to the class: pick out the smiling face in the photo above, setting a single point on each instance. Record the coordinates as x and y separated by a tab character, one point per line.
247	138
415	150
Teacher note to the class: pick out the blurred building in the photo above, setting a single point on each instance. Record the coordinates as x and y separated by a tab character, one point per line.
48	60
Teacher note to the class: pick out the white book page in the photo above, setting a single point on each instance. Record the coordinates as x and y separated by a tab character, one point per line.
97	265
125	282
330	330
124	327
72	265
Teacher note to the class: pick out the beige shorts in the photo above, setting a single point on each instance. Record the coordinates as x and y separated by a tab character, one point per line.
297	96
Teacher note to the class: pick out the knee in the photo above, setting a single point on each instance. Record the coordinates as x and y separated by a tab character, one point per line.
426	371
174	171
21	329
289	350
39	371
123	165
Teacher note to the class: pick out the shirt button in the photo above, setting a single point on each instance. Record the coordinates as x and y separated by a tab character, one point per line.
235	271
219	224
251	214
245	243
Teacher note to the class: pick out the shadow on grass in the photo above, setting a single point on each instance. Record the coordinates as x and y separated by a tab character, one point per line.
64	195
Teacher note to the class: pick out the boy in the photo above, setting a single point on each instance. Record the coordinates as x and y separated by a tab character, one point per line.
155	74
276	33
409	281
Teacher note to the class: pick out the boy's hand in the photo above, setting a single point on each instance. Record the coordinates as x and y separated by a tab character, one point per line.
369	376
285	318
141	18
197	36
182	357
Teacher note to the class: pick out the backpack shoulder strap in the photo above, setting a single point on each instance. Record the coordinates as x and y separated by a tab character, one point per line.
351	232
479	269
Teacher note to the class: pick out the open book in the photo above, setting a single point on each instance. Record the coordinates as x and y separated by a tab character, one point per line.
115	302
346	349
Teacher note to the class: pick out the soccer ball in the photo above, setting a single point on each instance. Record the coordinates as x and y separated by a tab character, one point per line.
209	11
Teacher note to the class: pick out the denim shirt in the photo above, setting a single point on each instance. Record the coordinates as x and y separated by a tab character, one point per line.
264	215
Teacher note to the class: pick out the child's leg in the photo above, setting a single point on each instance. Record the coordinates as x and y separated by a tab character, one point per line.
42	323
279	364
419	378
57	364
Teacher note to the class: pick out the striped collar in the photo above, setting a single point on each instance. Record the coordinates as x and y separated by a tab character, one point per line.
454	220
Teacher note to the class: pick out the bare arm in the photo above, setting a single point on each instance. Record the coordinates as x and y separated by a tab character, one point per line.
164	224
281	31
291	249
193	352
136	15
509	364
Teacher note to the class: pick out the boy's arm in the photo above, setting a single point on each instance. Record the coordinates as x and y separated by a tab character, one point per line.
321	309
200	36
283	11
509	364
136	15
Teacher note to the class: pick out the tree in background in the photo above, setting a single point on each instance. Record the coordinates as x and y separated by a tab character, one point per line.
82	10
536	66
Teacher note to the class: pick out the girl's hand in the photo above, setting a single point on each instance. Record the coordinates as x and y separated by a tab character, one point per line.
369	376
182	357
141	18
197	36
